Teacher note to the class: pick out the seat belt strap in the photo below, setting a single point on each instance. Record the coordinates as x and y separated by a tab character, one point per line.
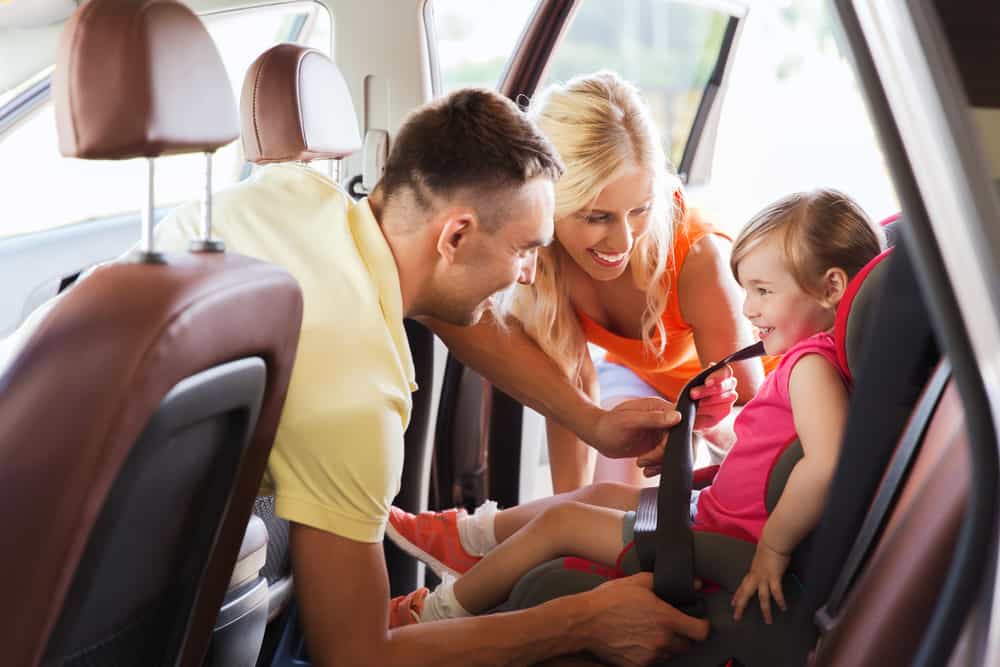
902	460
663	538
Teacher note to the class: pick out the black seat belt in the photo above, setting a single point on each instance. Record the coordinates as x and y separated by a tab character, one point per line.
663	538
909	445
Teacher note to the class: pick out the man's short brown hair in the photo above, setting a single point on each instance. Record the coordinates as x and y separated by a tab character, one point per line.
473	138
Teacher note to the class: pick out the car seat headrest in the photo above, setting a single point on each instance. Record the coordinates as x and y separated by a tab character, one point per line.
855	309
295	106
891	227
140	79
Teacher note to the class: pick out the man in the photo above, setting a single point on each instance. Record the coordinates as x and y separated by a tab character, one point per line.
465	201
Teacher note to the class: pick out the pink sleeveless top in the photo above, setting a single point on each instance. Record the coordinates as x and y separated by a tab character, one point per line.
735	502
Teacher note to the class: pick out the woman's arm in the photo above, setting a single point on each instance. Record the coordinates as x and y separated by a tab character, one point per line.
711	302
513	361
819	408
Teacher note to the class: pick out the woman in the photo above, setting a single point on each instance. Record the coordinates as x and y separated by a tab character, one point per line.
632	270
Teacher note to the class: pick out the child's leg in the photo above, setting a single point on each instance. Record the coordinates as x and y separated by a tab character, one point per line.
567	528
611	495
451	542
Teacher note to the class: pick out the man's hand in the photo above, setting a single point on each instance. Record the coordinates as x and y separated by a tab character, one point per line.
631	626
764	579
633	427
715	400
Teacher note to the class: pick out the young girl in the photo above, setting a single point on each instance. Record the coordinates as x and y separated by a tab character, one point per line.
794	260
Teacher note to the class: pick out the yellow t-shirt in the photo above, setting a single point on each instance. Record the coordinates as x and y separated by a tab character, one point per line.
338	454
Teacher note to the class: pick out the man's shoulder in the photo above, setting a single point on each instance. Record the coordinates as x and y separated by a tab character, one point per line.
292	185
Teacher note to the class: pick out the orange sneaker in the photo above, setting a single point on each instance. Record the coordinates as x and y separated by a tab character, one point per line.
405	609
431	537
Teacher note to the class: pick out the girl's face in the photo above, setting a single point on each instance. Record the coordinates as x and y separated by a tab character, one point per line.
783	313
600	237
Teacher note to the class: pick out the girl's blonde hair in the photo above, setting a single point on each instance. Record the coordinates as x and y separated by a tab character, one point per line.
822	229
600	127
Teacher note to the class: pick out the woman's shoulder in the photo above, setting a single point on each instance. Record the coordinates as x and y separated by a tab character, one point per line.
695	229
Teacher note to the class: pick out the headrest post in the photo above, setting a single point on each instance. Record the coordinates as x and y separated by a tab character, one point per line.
205	243
146	253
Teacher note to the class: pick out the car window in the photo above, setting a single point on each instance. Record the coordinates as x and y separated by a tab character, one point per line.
668	48
794	118
473	39
43	190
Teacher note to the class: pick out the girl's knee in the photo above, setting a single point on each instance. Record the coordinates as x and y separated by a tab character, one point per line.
562	523
611	494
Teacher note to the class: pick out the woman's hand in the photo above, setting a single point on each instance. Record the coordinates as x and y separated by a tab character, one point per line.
715	398
764	579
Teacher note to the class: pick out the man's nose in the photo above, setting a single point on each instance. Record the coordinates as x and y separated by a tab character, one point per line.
527	275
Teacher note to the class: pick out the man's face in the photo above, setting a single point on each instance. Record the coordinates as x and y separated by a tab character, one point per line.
491	262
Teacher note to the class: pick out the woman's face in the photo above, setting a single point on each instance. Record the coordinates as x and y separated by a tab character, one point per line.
600	236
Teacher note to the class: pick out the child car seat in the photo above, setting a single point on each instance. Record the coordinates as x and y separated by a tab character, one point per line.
721	560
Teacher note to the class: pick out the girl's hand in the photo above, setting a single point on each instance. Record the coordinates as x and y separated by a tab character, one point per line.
764	578
715	398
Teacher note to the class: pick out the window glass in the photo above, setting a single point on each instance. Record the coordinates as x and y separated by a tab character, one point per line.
43	190
794	118
474	39
667	48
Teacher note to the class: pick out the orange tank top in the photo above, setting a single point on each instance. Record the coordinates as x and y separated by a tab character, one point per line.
679	362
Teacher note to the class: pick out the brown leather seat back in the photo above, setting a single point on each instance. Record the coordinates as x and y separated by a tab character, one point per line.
84	387
893	598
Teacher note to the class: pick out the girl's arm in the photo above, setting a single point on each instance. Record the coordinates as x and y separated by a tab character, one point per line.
819	408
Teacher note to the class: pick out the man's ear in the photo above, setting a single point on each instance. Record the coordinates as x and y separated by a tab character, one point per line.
834	285
456	226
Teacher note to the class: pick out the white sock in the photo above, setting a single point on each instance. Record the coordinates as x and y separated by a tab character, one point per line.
442	603
476	532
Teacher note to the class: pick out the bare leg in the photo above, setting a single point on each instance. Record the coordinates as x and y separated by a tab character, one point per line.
571	461
610	495
568	528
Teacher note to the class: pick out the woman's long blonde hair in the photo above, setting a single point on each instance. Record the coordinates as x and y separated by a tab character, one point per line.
600	126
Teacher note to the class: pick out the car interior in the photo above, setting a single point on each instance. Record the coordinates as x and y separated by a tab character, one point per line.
139	408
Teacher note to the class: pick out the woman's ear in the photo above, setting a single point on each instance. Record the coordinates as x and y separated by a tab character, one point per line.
834	285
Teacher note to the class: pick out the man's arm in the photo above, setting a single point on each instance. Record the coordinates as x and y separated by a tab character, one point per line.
514	362
343	592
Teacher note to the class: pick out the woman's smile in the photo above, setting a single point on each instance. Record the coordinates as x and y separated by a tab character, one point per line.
610	260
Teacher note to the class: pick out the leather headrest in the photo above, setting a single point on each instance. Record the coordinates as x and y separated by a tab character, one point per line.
295	106
138	78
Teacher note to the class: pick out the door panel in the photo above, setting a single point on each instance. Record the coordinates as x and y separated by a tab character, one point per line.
33	267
